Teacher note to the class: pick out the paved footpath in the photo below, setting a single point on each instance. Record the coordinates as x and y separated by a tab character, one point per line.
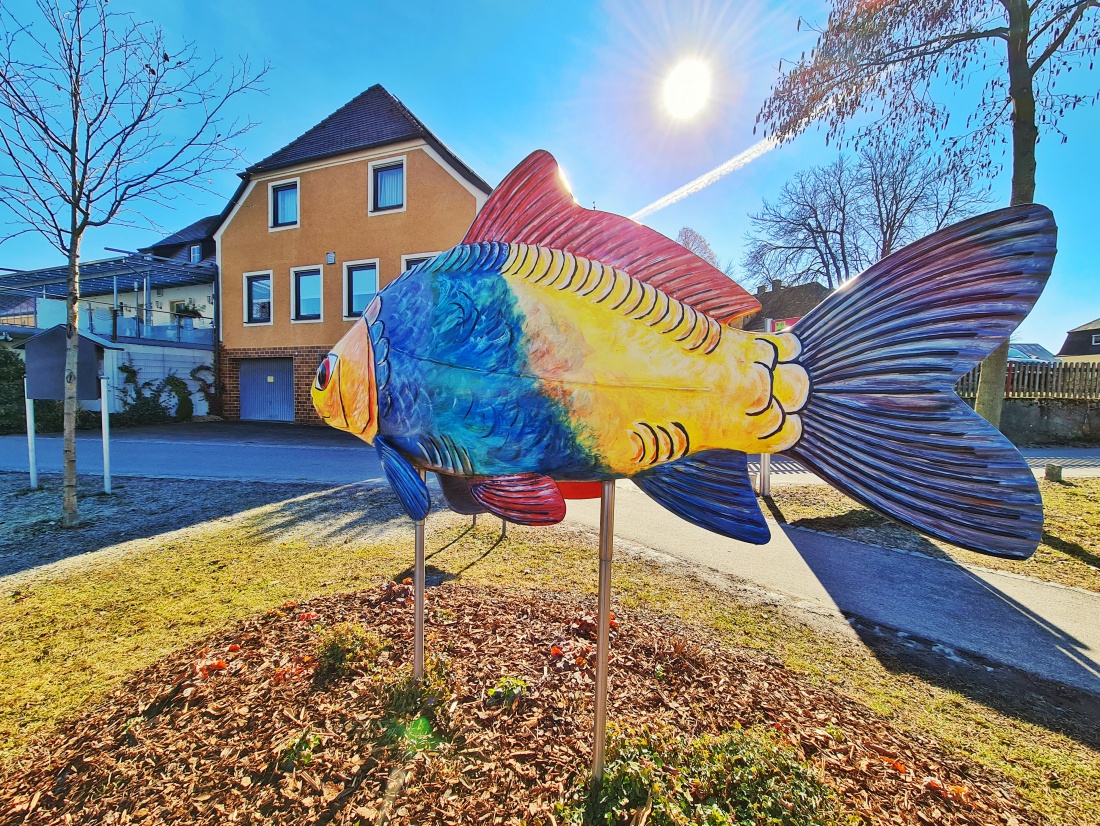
1038	627
1035	626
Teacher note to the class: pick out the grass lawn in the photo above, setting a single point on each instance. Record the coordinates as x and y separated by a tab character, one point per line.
1069	553
72	631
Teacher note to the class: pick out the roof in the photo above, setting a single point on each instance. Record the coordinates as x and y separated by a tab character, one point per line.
1035	352
201	230
98	277
92	337
788	302
372	119
1092	325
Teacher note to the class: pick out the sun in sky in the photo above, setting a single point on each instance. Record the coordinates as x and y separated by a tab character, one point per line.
686	90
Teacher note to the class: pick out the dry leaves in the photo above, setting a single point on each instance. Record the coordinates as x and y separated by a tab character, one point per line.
243	729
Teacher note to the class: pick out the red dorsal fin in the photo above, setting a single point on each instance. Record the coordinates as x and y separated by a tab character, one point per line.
524	498
533	205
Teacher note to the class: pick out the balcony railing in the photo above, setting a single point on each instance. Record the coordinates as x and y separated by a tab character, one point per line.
102	319
151	325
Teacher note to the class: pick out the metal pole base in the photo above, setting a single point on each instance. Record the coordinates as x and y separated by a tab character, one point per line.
418	601
603	633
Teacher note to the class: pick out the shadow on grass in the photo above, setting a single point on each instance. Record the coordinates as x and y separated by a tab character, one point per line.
31	536
1072	549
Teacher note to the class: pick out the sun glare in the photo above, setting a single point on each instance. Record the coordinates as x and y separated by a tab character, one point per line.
687	88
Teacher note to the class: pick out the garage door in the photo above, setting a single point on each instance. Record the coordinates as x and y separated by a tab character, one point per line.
267	390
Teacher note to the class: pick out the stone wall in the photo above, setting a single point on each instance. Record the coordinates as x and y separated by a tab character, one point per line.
1050	421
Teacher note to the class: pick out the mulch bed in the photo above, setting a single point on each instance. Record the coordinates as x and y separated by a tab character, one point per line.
202	736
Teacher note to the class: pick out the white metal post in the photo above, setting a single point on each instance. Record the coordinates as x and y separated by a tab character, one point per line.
418	600
764	478
105	422
603	633
30	436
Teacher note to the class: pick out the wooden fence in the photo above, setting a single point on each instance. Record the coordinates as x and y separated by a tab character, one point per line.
1071	380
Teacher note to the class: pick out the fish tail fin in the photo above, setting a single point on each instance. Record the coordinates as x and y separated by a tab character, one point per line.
883	423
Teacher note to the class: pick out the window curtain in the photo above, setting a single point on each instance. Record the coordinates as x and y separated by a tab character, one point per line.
388	184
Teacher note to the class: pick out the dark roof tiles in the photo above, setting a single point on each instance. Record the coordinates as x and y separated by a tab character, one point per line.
373	118
201	230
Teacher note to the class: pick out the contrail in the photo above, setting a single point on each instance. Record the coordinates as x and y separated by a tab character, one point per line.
705	180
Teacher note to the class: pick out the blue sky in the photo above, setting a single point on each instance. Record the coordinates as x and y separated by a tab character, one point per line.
497	79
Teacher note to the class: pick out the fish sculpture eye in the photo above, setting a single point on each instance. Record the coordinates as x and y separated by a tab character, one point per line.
325	371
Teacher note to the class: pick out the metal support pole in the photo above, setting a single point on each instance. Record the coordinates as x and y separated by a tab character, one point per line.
105	422
603	638
418	601
503	529
30	436
764	478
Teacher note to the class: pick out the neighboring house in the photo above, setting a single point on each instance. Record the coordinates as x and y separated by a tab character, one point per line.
1030	352
158	304
314	231
1082	343
780	305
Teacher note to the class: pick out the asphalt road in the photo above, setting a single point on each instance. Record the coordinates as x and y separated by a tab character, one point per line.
1037	627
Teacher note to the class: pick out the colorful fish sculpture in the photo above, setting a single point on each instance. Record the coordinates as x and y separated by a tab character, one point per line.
557	346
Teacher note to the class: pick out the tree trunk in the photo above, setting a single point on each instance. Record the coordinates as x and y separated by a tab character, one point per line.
69	515
1025	134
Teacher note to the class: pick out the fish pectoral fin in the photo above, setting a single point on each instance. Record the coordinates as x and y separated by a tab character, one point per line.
405	480
523	498
710	489
457	495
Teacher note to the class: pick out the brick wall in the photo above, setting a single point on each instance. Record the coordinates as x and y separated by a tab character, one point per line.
306	360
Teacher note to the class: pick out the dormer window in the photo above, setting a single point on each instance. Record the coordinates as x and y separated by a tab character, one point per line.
195	253
283	198
387	186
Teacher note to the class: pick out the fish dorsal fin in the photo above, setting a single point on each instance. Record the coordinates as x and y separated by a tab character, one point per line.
523	498
533	205
710	489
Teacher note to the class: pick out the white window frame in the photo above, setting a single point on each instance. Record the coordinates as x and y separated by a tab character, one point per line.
271	204
294	290
244	292
191	259
390	161
1096	340
377	278
405	258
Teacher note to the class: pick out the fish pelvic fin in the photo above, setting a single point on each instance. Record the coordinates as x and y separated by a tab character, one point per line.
883	423
710	489
533	205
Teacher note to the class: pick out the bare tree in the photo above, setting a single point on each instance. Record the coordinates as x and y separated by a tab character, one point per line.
829	223
890	60
99	116
807	233
696	243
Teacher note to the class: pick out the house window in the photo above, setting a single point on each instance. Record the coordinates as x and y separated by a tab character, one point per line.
307	294
257	290
387	186
195	253
411	261
1095	341
284	205
360	286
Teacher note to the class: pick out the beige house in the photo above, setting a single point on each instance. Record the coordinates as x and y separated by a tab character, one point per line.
314	231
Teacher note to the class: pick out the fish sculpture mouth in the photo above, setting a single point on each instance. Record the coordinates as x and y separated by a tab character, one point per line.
344	391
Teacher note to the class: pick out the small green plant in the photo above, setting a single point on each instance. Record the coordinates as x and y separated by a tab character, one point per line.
346	645
506	691
414	708
298	753
738	777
